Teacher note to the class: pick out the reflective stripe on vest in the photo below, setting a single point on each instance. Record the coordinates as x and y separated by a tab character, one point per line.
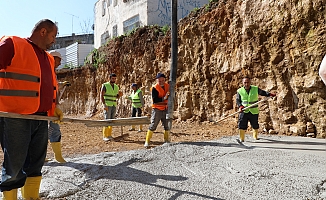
20	82
161	93
110	96
135	99
249	99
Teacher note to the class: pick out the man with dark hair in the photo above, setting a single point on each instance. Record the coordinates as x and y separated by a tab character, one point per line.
44	23
27	86
160	94
109	95
246	96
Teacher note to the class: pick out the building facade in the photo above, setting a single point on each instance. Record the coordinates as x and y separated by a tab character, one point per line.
118	17
64	41
73	49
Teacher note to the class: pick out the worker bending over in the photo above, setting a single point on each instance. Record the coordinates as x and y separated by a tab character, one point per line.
246	96
160	94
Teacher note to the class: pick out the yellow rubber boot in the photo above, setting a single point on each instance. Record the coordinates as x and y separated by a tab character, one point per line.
31	188
56	146
132	128
242	134
166	136
140	128
148	138
110	131
9	195
255	134
107	132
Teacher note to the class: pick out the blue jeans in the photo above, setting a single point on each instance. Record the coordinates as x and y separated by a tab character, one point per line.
54	132
24	143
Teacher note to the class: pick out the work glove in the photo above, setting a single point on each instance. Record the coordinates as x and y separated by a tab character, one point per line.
272	94
66	83
58	113
241	108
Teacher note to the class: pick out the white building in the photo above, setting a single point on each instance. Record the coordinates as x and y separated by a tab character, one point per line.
118	17
74	55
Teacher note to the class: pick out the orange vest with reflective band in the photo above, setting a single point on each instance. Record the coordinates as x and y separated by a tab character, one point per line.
20	83
161	93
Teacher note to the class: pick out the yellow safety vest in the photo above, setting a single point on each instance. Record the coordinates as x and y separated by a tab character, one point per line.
249	99
135	99
110	96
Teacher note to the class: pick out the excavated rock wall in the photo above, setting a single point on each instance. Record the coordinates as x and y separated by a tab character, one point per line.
280	44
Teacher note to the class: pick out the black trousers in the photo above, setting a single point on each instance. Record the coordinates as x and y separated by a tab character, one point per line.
245	117
136	110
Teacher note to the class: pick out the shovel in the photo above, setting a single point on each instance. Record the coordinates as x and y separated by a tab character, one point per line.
61	93
253	105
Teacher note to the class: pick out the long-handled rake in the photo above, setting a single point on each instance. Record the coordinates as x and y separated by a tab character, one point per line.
253	105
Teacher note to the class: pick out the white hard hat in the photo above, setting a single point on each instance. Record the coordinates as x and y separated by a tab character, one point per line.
54	53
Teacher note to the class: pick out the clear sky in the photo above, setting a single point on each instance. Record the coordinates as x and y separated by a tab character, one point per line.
18	17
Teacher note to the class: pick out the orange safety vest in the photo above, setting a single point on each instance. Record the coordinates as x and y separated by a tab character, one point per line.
20	83
161	93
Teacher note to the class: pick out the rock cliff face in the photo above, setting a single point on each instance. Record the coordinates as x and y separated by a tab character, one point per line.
279	43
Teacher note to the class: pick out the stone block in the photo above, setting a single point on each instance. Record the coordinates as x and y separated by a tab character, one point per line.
298	129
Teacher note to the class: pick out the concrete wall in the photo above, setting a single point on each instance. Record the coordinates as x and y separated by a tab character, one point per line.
109	13
116	14
64	41
159	11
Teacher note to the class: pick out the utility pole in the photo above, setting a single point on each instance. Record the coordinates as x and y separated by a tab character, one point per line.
174	61
72	21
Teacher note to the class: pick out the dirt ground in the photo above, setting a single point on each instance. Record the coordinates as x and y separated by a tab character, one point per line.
78	139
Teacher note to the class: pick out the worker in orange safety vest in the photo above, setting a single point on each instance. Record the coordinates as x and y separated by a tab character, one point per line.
160	94
27	86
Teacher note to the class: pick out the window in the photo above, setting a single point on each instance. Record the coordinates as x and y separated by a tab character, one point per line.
130	24
103	7
104	37
115	31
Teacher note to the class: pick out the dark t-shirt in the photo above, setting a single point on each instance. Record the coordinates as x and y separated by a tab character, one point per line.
155	97
46	94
